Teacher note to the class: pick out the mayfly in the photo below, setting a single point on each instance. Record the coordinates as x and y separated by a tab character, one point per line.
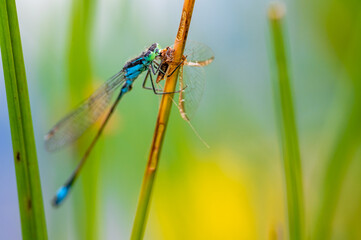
191	75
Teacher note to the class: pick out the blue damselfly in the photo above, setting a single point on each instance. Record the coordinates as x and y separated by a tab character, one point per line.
155	62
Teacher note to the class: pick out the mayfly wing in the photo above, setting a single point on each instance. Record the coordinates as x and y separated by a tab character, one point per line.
192	80
79	120
192	77
198	54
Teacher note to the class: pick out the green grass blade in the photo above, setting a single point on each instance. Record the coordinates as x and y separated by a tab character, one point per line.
31	207
80	77
287	126
348	140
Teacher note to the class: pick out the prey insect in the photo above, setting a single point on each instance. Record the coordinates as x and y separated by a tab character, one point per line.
191	75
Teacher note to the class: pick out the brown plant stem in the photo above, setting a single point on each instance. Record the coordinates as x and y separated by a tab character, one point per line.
161	124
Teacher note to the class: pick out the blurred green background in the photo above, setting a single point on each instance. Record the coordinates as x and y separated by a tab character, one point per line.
235	189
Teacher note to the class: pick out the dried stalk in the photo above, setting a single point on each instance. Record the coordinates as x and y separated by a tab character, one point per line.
161	124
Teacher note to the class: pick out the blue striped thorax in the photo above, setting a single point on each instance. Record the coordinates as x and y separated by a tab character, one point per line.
136	66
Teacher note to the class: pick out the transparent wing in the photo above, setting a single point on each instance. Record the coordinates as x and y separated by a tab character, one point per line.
79	120
198	54
192	77
192	80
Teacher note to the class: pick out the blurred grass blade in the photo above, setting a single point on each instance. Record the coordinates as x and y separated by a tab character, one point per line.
348	140
26	167
80	76
287	125
161	124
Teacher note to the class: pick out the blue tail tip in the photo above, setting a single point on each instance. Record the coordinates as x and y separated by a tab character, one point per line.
60	196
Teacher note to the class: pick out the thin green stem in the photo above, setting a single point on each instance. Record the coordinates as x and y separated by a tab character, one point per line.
347	143
31	207
161	124
79	81
287	126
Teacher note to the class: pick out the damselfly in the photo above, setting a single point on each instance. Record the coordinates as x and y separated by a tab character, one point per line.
77	122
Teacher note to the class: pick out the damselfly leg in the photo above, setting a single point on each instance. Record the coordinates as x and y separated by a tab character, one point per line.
161	70
155	90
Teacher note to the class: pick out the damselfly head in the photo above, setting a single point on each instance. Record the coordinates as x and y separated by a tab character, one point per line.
153	51
157	49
